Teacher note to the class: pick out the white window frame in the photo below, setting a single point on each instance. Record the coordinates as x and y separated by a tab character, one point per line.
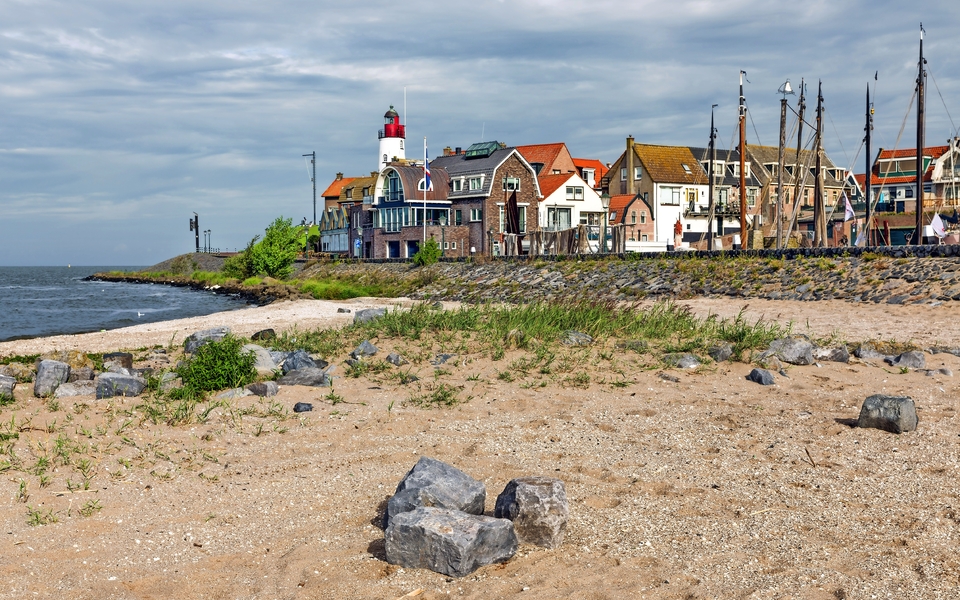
511	184
476	183
637	173
476	214
457	184
623	174
574	192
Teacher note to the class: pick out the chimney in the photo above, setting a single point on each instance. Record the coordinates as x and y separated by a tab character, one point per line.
458	150
339	176
374	173
628	163
447	151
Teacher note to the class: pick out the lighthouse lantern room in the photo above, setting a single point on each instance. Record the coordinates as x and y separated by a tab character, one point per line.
391	138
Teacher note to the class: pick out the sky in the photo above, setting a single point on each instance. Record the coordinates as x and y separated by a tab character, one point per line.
119	119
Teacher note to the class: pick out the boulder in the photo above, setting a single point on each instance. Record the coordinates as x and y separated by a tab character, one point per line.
76	388
575	338
895	414
538	508
450	542
396	360
343	310
234	394
264	389
75	358
434	483
682	360
81	374
868	352
364	349
441	359
368	314
264	365
18	371
913	359
839	354
50	374
311	376
200	338
299	359
120	359
761	376
300	407
117	384
264	335
170	380
795	351
721	352
7	385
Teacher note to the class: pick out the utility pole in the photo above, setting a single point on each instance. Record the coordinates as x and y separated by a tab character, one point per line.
921	76
313	179
869	171
819	210
743	151
713	159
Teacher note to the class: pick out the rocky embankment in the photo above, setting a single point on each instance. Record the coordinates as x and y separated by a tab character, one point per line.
867	278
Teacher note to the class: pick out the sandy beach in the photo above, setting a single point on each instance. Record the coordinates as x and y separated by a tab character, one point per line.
682	484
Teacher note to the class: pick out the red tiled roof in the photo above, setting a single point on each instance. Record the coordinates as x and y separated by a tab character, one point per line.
544	154
619	205
934	151
333	191
551	183
599	168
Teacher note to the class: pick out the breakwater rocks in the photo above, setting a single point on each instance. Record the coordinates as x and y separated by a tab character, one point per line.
870	277
262	294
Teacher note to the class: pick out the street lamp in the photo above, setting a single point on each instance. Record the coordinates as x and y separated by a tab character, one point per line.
605	202
443	239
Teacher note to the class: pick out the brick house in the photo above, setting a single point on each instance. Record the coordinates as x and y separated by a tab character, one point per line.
481	181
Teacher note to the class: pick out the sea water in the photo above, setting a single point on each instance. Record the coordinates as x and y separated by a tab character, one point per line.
42	301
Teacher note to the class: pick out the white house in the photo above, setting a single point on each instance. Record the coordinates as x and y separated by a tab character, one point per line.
568	201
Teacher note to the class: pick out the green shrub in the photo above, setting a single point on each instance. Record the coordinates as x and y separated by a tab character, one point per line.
428	253
275	254
218	366
240	266
183	265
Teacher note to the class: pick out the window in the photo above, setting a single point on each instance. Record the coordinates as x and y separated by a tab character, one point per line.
476	183
590	218
574	192
686	168
643	217
422	185
718	168
457	185
366	192
751	197
633	217
537	167
623	174
476	214
670	195
556	172
394	189
458	217
589	175
638	172
643	238
558	219
908	191
511	184
446	245
523	219
348	193
613	216
746	170
692	196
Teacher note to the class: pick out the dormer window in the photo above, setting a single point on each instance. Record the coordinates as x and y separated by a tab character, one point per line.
457	185
686	168
476	183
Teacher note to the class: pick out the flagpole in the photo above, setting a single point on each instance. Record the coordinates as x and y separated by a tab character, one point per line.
425	189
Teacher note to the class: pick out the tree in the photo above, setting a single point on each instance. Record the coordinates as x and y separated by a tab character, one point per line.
275	254
428	253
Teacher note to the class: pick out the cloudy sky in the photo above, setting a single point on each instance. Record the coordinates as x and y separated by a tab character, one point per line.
120	119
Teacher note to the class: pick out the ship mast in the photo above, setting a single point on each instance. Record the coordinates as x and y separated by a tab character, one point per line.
743	178
921	77
869	171
713	159
819	213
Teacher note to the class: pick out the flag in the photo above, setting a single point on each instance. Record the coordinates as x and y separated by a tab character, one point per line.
427	184
849	214
861	238
937	225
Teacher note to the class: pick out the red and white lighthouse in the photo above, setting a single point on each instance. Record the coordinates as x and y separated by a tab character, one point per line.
391	138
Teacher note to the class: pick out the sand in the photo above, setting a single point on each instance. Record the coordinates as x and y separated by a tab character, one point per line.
705	487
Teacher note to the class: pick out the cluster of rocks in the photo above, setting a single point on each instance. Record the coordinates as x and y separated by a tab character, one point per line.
435	519
66	374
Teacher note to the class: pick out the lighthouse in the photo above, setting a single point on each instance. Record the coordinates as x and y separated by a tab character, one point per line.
391	138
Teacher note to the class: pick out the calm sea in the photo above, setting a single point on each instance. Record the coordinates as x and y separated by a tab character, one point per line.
42	301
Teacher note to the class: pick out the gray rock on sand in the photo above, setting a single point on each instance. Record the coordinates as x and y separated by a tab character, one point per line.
120	359
913	359
301	359
721	352
195	340
450	542
795	351
310	376
264	365
50	374
81	374
434	483
868	352
576	338
368	314
761	376
396	360
264	389
117	384
895	414
839	354
364	349
682	360
76	388
538	508
7	385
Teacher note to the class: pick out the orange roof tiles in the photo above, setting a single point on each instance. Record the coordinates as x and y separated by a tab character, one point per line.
551	183
934	151
544	154
599	169
333	191
619	205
